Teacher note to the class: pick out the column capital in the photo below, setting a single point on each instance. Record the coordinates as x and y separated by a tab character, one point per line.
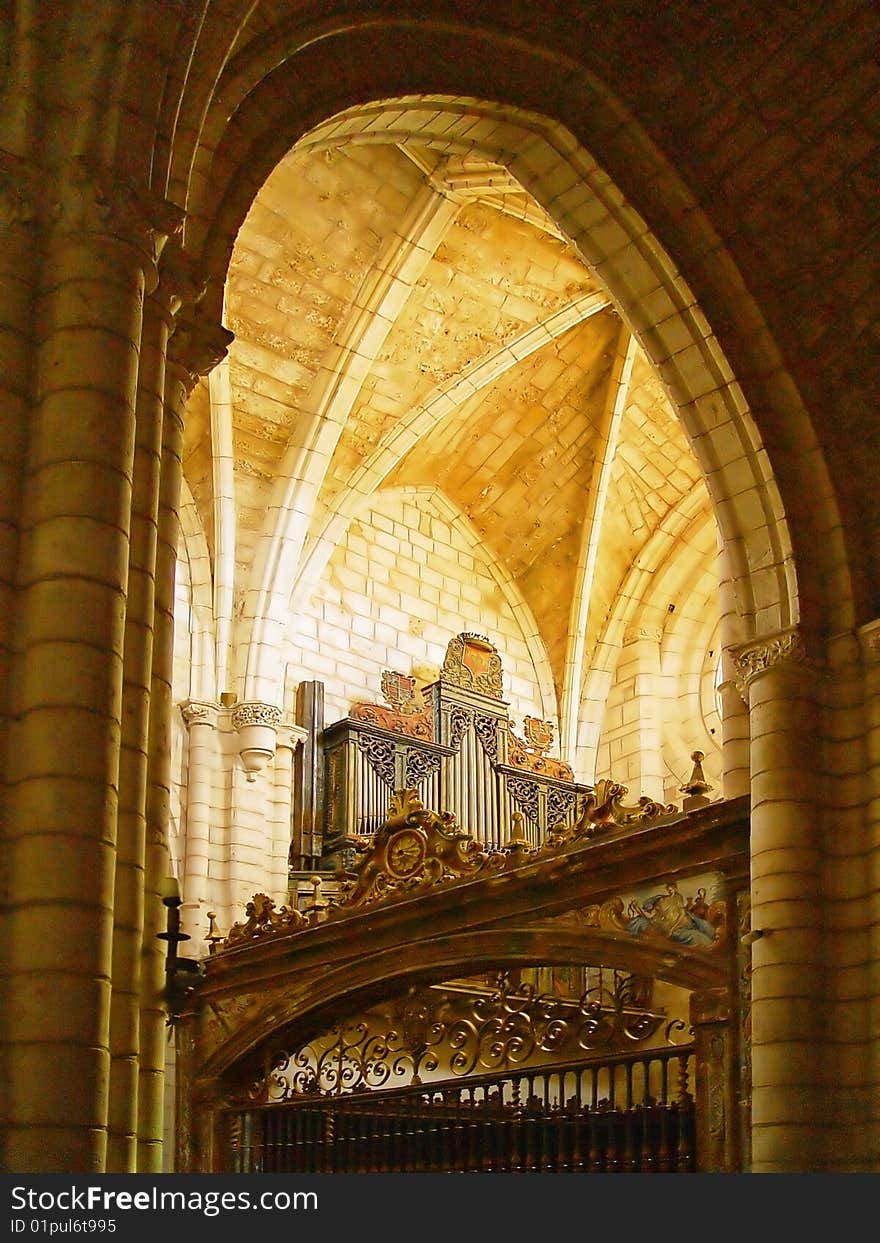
195	712
751	660
180	283
289	735
93	199
869	639
20	191
197	345
638	631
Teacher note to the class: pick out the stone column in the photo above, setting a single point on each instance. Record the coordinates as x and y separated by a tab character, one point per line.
734	711
194	348
869	636
787	959
201	722
128	924
67	670
18	275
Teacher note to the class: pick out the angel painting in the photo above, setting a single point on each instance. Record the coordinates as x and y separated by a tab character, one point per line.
670	915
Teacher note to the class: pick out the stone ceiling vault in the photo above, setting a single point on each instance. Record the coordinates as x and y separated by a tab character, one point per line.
410	319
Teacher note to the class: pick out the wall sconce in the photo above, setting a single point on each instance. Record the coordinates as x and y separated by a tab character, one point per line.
181	974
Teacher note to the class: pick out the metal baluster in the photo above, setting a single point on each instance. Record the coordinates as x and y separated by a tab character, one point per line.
664	1155
474	1155
546	1133
646	1155
515	1125
532	1161
629	1152
683	1149
577	1153
233	1131
612	1161
595	1163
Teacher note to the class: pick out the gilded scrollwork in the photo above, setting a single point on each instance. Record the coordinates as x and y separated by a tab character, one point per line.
462	1034
435	851
264	920
473	663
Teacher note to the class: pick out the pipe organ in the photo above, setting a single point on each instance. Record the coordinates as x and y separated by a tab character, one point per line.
454	743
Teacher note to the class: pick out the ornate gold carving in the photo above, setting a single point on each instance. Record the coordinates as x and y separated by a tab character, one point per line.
414	847
530	756
604	809
752	659
473	663
459	1033
406	713
264	920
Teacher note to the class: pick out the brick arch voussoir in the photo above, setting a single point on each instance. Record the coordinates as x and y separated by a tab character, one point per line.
315	998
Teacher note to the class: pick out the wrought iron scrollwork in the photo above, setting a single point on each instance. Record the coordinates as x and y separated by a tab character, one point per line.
499	1030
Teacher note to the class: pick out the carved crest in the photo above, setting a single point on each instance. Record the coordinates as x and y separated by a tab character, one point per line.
473	663
406	712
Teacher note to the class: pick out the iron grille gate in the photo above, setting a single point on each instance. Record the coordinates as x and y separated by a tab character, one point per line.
632	1114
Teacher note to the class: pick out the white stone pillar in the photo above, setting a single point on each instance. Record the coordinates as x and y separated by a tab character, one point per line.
287	739
202	759
787	953
731	692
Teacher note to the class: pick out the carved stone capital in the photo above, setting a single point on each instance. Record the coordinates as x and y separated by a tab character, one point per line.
19	193
253	712
91	198
290	736
197	345
760	656
869	638
632	634
180	283
196	713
